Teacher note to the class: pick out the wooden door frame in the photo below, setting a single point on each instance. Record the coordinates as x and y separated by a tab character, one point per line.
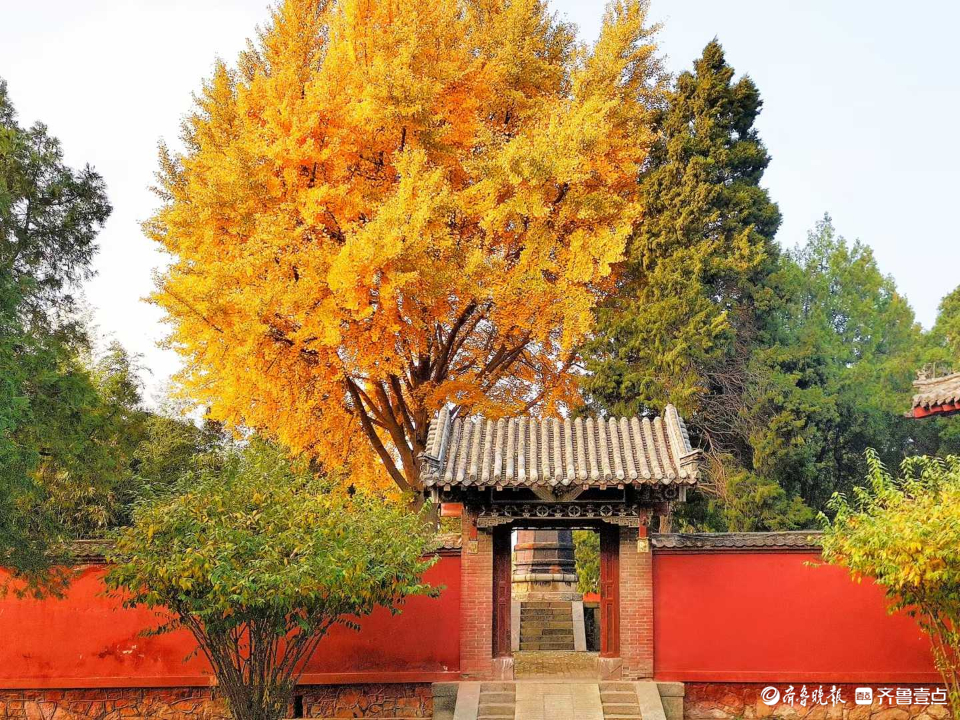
502	572
502	585
609	591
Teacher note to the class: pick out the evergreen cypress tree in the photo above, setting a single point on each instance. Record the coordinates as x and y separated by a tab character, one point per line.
695	267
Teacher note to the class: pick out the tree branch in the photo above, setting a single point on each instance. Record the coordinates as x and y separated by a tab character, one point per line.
374	439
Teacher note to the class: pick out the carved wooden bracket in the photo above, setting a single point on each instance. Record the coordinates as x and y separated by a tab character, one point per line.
614	514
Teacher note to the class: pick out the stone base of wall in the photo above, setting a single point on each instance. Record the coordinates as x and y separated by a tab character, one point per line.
403	700
736	701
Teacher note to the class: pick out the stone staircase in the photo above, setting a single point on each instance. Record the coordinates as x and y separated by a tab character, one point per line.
558	700
546	625
498	701
619	701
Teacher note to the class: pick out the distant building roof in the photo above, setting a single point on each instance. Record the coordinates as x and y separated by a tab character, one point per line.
936	395
532	452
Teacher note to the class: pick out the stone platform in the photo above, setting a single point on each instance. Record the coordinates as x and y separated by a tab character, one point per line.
558	699
534	664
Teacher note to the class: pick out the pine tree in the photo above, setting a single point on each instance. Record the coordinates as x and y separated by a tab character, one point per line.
695	265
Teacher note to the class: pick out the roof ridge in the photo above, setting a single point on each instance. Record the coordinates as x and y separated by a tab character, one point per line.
531	451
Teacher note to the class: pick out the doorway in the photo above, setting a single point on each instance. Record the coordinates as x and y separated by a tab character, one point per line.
556	606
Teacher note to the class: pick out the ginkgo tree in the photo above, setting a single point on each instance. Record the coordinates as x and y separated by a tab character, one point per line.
386	206
904	532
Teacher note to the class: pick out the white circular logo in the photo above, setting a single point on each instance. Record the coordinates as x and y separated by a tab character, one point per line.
770	695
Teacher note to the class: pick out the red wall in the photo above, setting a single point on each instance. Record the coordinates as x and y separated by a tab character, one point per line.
769	617
88	640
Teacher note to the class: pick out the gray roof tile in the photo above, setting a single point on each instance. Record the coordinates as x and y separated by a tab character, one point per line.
937	391
787	540
528	452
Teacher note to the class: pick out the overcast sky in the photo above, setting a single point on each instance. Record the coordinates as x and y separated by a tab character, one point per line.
861	100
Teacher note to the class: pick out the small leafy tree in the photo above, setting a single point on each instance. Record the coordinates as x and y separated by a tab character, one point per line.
258	557
586	553
905	533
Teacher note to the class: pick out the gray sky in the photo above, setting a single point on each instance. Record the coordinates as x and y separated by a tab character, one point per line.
860	101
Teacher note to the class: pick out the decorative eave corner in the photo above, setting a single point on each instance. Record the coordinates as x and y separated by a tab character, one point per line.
935	395
689	459
692	463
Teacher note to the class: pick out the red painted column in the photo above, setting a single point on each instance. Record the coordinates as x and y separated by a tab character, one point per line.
636	604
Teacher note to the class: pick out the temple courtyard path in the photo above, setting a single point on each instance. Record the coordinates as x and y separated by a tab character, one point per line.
568	700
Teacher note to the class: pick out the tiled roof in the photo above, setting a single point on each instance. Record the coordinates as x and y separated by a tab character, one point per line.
448	541
89	552
797	539
530	452
937	395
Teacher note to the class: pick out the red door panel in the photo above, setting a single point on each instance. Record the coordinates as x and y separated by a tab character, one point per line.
501	591
610	591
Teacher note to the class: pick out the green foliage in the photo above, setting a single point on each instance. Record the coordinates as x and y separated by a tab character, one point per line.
168	447
696	263
87	462
833	375
586	553
944	340
743	502
258	558
754	503
905	533
108	451
787	366
49	217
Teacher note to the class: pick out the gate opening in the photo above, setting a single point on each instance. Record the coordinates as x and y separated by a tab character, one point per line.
559	580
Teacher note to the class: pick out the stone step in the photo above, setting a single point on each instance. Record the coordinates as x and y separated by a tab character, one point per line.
614	686
498	687
533	614
496	709
620	717
565	622
547	646
617	696
498	698
621	708
544	604
547	607
545	632
552	625
548	640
